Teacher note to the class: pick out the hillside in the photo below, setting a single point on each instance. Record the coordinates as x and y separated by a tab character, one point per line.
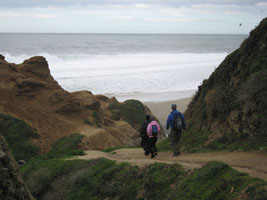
231	105
29	92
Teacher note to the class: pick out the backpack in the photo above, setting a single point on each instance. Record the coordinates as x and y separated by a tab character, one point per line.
177	122
154	130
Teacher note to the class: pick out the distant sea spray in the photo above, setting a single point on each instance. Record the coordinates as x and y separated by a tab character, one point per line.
125	66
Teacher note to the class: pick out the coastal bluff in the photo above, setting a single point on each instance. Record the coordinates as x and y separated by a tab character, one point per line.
230	106
30	93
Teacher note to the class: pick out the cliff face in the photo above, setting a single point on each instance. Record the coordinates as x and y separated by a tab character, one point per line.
232	103
11	183
29	92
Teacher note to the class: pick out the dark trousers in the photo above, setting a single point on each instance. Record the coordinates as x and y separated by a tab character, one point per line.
175	136
145	143
152	145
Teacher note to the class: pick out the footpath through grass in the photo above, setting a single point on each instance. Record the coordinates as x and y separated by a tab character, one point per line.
52	176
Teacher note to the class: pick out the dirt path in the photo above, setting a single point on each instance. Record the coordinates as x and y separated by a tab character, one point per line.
253	163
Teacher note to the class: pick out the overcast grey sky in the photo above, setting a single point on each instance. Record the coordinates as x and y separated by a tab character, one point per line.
131	16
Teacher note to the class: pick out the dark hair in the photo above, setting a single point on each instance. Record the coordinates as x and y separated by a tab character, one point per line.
174	107
147	117
152	118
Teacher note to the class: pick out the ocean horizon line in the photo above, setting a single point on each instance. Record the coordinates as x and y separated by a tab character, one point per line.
126	33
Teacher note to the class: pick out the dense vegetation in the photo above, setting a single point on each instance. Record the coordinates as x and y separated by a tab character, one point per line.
132	111
104	179
18	136
229	109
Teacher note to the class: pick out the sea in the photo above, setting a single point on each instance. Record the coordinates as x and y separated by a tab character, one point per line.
147	67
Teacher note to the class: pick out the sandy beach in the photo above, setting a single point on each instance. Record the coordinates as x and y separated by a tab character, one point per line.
162	109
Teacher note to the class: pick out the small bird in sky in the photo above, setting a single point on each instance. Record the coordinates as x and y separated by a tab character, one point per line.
240	24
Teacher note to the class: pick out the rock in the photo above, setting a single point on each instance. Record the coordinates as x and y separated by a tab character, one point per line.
29	92
11	182
102	97
38	66
22	162
2	57
2	154
94	105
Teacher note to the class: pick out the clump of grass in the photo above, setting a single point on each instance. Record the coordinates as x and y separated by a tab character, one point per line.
194	141
67	146
18	135
158	179
164	145
217	180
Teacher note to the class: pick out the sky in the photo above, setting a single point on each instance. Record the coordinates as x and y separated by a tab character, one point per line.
131	16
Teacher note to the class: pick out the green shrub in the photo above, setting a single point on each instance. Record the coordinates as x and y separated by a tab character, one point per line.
96	117
18	135
132	111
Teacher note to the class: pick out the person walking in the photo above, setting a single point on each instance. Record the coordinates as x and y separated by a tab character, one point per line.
176	122
153	129
144	136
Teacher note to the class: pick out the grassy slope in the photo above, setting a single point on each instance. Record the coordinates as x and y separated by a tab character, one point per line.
231	104
102	178
18	136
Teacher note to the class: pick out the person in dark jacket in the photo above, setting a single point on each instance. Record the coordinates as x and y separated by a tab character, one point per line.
144	136
175	134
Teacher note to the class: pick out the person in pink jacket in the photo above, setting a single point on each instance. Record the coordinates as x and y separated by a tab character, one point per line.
153	129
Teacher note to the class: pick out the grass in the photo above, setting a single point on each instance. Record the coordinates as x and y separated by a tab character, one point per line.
52	176
219	181
164	145
195	141
104	179
67	146
18	135
249	144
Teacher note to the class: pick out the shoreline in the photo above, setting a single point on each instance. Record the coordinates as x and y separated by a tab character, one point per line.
155	97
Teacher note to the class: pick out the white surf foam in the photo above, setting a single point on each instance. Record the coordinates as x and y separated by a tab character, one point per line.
130	73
